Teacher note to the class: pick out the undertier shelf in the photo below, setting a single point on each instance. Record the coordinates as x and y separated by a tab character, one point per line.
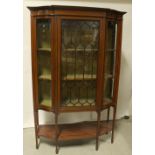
75	131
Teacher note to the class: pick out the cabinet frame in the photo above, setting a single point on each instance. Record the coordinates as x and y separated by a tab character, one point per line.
56	14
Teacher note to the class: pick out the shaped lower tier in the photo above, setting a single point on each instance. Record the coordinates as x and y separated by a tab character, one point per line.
81	130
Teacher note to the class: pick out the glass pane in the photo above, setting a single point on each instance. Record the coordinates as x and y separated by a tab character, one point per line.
111	35
44	62
110	59
45	93
43	34
109	62
79	62
108	86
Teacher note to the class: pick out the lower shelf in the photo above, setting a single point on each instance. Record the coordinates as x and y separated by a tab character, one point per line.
74	131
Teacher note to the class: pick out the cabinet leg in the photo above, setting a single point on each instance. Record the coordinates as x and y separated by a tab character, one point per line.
108	113
37	144
36	124
57	150
113	124
56	134
98	130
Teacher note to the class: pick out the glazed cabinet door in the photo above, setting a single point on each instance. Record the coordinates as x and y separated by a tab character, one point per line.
110	61
43	62
78	56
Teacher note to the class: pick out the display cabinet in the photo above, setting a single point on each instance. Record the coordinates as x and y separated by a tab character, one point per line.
76	54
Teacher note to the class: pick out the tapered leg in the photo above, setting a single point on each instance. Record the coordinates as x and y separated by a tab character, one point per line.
98	129
36	124
56	134
108	113
113	124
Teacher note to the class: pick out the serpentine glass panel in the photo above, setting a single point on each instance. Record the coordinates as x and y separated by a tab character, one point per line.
44	62
80	41
110	54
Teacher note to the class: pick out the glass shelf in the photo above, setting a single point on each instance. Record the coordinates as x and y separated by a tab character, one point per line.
79	77
72	77
44	50
79	50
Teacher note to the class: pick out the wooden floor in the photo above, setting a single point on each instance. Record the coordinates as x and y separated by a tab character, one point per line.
121	146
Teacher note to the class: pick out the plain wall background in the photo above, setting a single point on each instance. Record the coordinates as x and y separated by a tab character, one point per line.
125	86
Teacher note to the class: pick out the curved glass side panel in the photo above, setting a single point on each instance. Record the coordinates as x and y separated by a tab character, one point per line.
110	55
44	62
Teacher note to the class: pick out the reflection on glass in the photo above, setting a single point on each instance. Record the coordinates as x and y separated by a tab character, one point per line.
44	62
79	62
110	59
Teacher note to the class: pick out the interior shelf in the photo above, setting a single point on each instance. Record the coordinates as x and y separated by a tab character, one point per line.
109	75
73	77
110	50
86	77
80	77
45	77
70	77
80	50
71	49
75	131
44	49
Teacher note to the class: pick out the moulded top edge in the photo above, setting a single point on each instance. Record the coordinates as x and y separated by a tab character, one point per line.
63	7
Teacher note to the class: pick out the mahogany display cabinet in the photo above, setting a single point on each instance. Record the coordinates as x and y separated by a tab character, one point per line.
76	54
